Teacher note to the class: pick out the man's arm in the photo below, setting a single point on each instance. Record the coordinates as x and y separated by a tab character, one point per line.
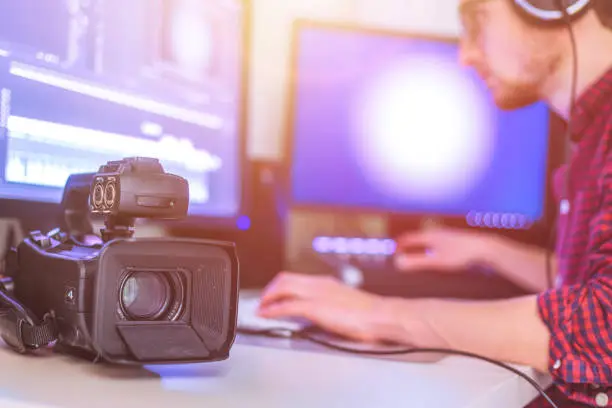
505	330
577	319
523	264
457	249
565	331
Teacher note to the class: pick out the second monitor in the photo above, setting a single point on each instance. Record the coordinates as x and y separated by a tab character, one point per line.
391	123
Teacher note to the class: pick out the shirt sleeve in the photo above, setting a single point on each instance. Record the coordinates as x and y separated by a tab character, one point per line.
579	317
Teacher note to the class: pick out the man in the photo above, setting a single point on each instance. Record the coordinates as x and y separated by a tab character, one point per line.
566	331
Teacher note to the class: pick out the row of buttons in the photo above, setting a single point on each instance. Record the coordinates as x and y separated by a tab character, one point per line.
354	246
601	399
498	221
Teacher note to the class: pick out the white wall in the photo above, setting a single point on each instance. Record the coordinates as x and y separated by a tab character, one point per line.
427	16
270	59
271	45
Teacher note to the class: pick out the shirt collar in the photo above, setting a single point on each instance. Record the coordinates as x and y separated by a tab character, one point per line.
589	105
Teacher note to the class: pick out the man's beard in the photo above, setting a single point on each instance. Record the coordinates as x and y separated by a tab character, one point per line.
519	93
516	96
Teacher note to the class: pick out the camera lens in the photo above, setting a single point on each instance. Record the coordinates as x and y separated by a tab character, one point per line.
146	295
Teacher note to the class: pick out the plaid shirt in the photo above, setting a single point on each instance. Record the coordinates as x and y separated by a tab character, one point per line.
578	311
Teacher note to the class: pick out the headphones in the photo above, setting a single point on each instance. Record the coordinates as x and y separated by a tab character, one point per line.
548	11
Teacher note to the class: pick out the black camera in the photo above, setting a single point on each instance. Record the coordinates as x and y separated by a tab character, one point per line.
124	300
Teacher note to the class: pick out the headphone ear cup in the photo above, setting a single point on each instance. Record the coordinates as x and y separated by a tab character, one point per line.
545	11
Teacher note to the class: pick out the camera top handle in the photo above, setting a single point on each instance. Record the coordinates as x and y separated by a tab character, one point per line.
75	204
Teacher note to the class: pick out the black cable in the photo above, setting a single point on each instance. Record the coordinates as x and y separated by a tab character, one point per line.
567	139
550	250
306	334
572	107
568	153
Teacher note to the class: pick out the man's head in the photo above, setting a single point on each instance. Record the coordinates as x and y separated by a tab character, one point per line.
514	54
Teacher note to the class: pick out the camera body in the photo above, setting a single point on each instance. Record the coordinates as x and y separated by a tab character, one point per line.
129	300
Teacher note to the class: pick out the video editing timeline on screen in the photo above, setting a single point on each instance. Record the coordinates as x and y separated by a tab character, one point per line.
87	81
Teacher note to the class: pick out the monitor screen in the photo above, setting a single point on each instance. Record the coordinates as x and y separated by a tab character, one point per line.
83	82
393	123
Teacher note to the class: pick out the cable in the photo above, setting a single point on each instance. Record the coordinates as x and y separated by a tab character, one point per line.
568	153
567	140
550	248
306	334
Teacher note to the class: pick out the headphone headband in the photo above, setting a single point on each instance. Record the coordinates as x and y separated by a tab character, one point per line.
548	10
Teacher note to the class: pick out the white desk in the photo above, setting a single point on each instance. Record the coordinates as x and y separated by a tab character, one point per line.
261	373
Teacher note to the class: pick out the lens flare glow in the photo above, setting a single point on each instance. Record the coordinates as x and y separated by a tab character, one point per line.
424	131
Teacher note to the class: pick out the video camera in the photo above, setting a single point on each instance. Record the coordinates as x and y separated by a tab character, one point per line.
124	300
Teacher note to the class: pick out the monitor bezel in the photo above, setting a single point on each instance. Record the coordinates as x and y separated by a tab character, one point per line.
301	24
22	209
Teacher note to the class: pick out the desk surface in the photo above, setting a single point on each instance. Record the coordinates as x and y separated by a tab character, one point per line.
265	372
260	373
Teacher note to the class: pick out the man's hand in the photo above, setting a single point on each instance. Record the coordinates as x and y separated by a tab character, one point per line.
332	306
455	250
443	249
504	330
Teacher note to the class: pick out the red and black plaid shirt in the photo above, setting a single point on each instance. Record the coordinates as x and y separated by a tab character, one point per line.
578	312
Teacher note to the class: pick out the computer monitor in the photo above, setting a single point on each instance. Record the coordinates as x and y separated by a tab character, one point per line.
391	122
85	82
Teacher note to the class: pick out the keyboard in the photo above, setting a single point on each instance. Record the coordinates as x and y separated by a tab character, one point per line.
249	320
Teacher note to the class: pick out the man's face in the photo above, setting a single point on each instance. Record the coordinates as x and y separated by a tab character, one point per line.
513	57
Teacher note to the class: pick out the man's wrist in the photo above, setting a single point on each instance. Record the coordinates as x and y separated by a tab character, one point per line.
494	250
522	263
406	321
